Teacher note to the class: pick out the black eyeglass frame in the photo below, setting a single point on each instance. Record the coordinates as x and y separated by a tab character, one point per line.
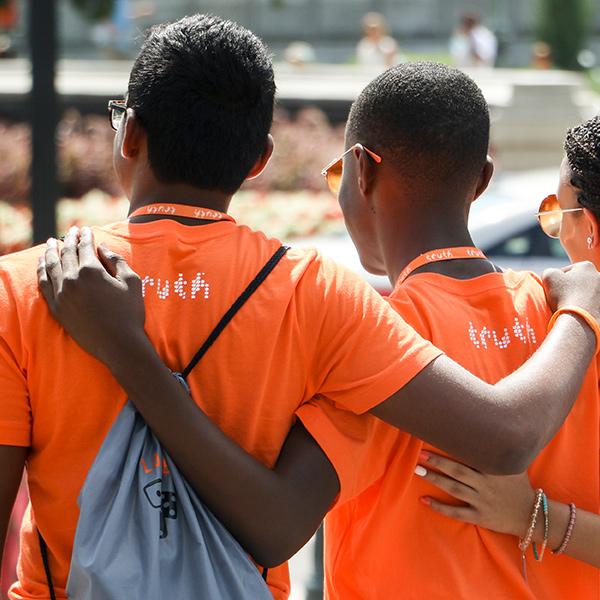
116	109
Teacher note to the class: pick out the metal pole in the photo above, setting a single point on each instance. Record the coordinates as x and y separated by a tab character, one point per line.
43	118
315	585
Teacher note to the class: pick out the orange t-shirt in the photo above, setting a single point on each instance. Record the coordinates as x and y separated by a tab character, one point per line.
384	543
312	329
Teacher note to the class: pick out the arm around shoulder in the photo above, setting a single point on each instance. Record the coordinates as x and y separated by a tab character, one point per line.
281	507
500	428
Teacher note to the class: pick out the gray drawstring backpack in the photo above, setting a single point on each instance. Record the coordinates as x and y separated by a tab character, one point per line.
143	533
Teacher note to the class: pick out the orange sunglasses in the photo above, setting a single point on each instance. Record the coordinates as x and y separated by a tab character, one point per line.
334	170
550	215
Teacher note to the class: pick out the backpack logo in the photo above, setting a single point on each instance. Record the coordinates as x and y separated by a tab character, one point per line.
165	502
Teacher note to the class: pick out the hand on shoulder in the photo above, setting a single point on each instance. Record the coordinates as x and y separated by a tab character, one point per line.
93	294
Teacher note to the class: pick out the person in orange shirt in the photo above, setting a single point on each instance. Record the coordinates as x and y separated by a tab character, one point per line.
387	533
425	133
194	126
504	504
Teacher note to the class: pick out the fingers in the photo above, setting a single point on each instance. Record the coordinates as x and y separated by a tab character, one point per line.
454	479
466	514
453	469
458	490
550	273
115	264
87	249
582	265
553	279
53	265
109	259
46	285
65	264
578	284
68	255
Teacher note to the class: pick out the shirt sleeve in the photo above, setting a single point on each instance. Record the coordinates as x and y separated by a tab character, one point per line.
364	351
359	447
15	413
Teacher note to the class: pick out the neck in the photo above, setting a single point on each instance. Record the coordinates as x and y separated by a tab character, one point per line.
177	193
406	243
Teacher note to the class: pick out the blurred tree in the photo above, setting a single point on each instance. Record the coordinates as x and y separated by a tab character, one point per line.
94	10
564	26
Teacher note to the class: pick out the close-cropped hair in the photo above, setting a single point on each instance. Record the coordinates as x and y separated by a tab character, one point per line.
203	88
430	119
582	147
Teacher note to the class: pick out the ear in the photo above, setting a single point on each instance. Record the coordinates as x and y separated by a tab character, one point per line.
263	159
593	227
133	135
366	172
484	177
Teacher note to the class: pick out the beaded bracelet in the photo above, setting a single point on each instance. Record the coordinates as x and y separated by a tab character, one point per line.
539	557
569	532
525	542
582	313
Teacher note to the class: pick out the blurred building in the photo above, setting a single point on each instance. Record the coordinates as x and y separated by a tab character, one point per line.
331	27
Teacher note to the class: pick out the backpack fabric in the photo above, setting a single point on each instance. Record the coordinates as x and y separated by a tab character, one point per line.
143	533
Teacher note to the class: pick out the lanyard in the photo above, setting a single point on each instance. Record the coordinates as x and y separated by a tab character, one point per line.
439	255
182	210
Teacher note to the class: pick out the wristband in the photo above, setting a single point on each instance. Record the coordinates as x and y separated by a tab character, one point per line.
539	556
569	532
584	314
525	542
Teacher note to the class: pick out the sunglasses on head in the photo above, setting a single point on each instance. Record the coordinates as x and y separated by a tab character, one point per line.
550	215
334	170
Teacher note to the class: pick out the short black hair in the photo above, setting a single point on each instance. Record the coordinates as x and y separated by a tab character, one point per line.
203	89
431	119
582	147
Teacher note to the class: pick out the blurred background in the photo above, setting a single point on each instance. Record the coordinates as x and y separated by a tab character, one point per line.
537	61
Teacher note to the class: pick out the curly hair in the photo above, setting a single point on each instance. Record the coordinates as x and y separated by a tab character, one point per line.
582	147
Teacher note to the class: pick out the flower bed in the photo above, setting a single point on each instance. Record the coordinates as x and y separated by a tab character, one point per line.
288	200
85	145
284	215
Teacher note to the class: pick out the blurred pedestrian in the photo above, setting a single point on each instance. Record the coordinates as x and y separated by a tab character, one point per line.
473	44
299	54
116	34
376	47
541	56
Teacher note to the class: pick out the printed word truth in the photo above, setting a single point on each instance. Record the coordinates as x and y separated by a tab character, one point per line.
488	337
186	288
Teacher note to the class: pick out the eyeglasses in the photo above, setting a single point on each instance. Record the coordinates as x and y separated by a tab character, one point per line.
550	215
116	112
333	171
